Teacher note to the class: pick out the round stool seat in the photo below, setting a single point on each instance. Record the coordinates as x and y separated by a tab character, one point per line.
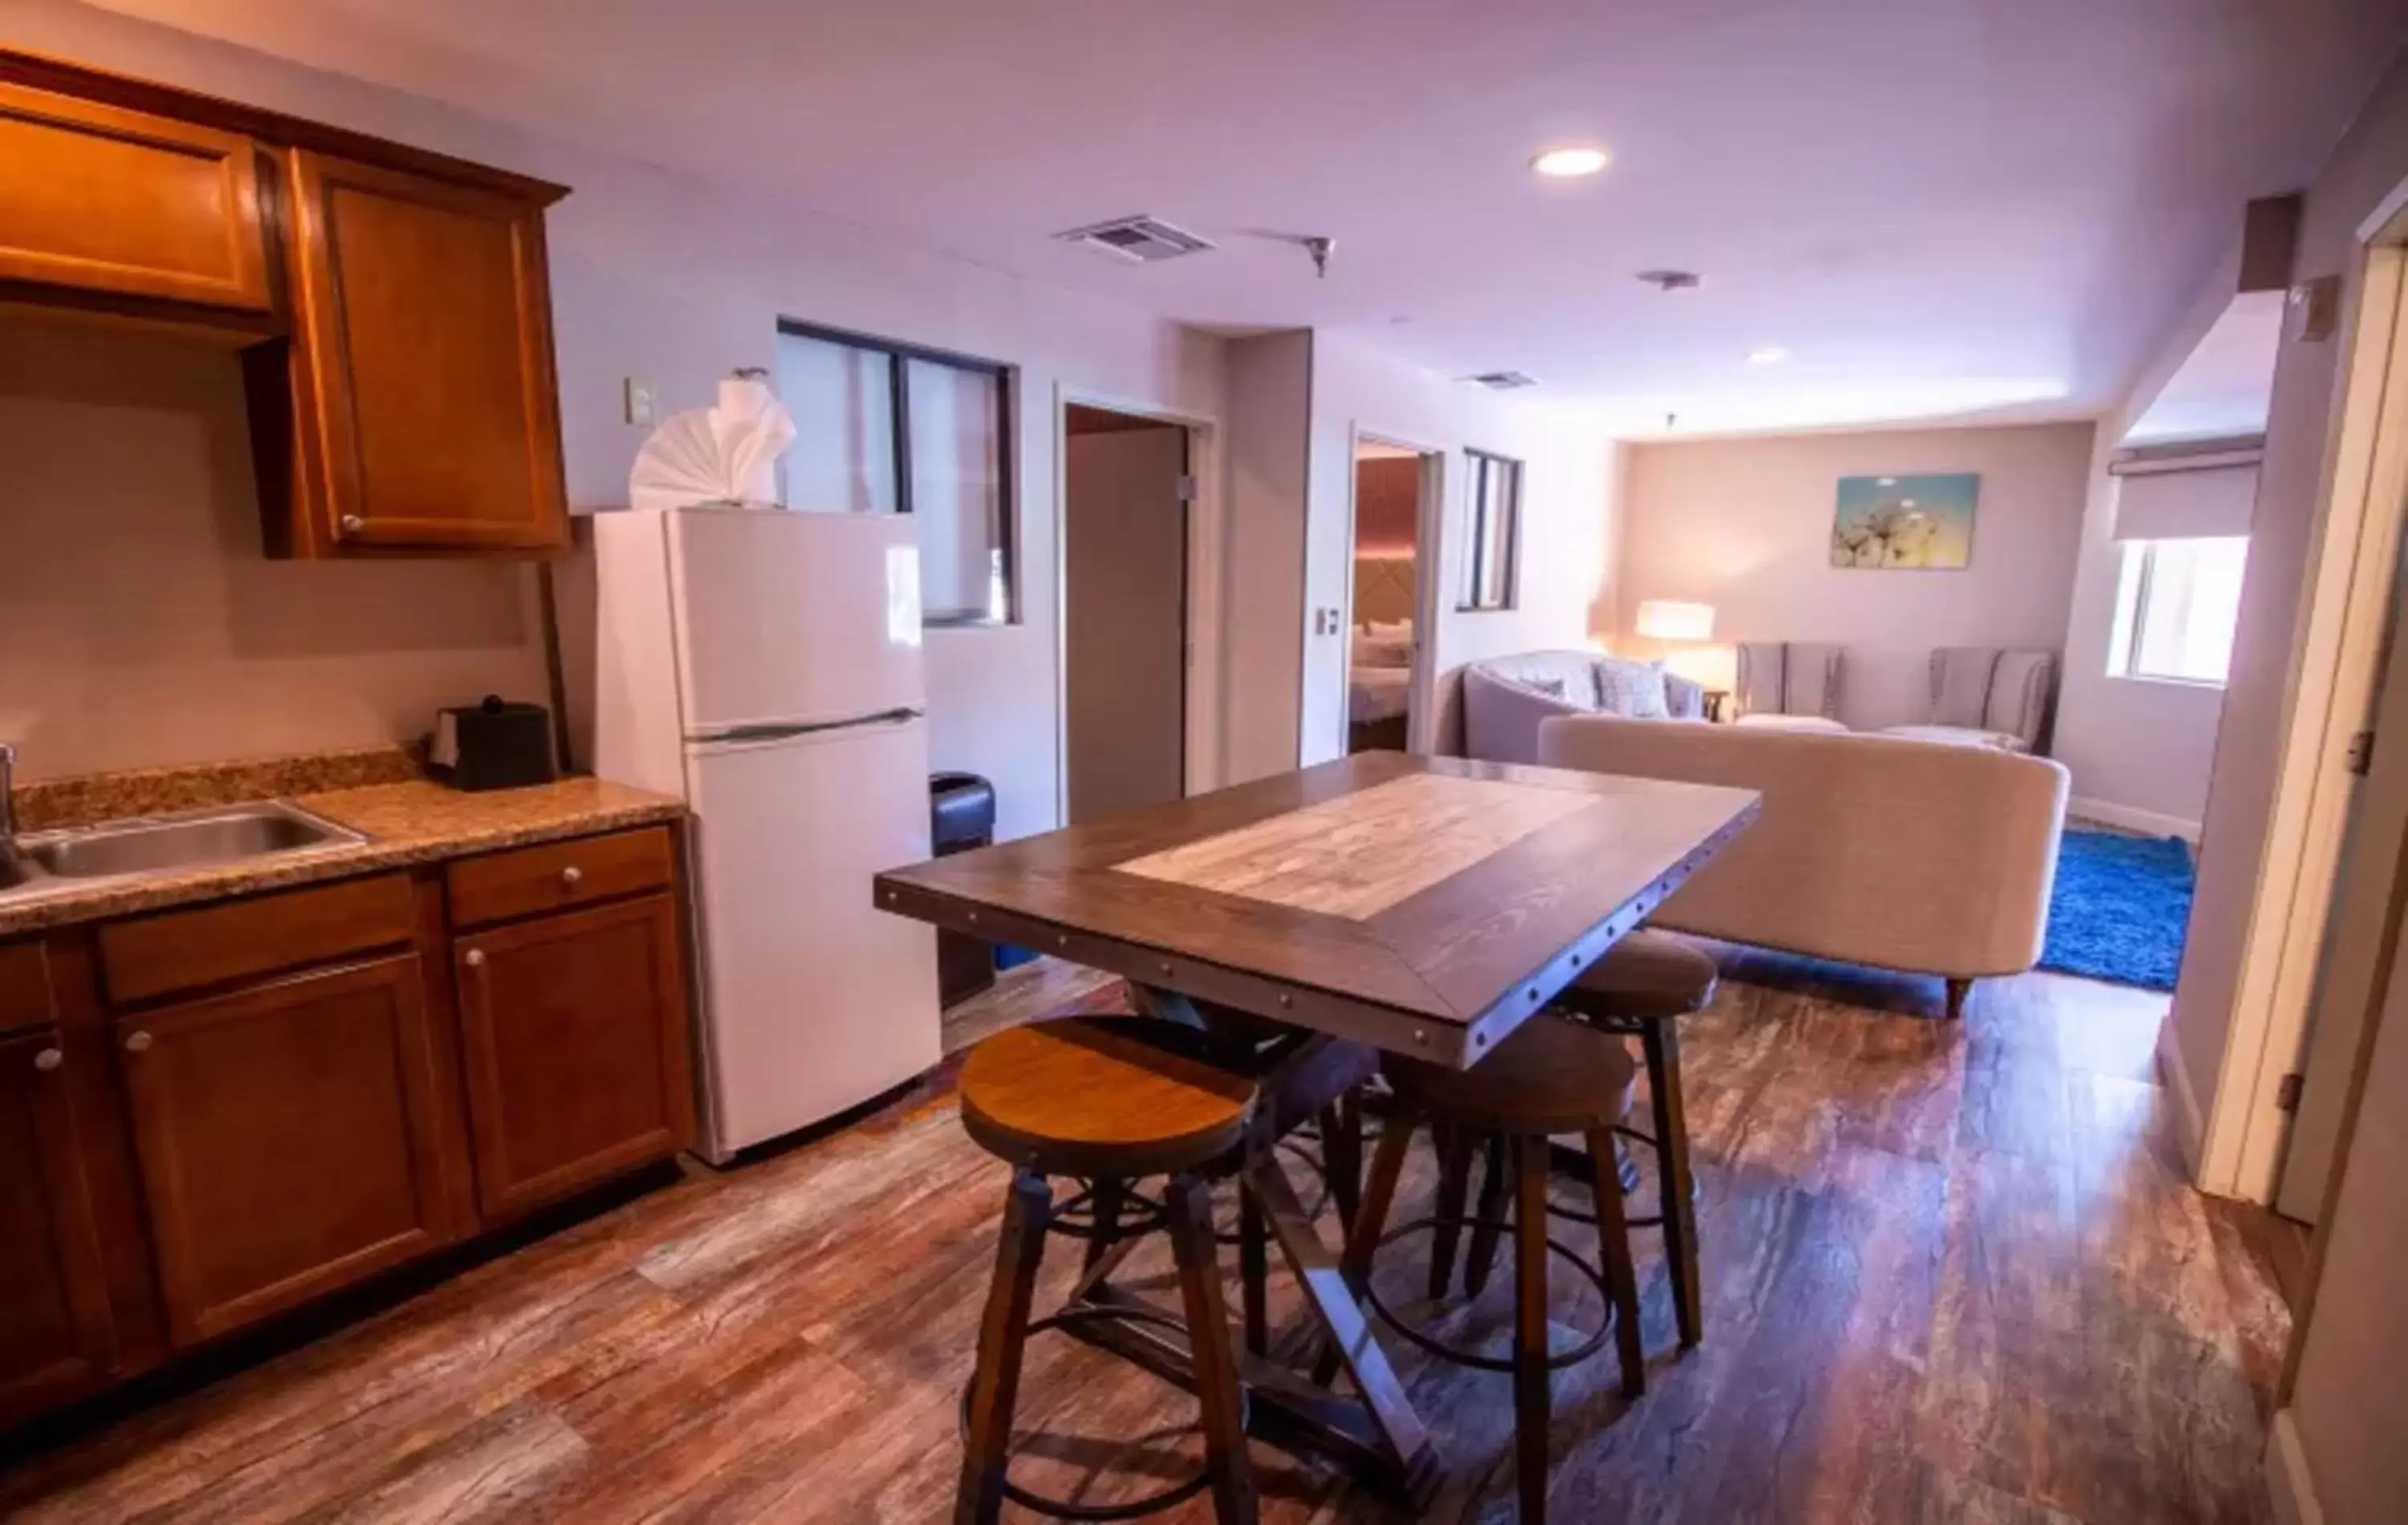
1649	976
1552	1075
1121	1097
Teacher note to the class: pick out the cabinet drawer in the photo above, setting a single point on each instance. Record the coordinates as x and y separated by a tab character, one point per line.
184	950
558	875
95	198
25	986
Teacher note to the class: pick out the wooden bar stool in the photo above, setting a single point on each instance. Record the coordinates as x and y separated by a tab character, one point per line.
1642	986
1107	1101
1554	1076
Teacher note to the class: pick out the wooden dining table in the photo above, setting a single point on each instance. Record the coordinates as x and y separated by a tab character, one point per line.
1380	903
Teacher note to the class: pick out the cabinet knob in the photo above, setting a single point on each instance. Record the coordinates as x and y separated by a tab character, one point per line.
48	1059
572	876
474	958
138	1043
352	524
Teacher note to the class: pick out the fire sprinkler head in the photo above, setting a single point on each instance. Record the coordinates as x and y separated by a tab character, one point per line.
1320	248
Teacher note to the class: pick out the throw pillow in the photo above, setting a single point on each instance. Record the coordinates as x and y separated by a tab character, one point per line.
1685	699
1634	690
1552	687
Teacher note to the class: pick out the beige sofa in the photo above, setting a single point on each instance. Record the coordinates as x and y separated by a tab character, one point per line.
1872	850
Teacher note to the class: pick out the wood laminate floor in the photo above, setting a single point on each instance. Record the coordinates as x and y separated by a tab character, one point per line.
1952	1270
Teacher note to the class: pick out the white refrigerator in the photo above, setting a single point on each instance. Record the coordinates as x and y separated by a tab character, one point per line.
767	666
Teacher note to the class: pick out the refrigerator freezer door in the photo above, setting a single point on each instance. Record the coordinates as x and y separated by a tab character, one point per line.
789	618
813	1001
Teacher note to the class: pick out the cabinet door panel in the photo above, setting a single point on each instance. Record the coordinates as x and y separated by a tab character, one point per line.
575	1030
96	198
425	333
56	1336
289	1140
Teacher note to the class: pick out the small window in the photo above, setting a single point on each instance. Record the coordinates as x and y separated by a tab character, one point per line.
2177	604
1496	530
883	427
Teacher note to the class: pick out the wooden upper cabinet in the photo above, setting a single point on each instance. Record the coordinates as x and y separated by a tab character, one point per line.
422	384
57	1338
289	1139
97	198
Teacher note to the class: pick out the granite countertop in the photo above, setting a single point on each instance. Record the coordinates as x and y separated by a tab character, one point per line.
409	822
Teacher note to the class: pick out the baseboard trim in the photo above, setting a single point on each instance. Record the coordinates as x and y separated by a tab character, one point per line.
2108	813
2190	1124
2286	1474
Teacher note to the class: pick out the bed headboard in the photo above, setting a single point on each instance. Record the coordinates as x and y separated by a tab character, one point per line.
1383	589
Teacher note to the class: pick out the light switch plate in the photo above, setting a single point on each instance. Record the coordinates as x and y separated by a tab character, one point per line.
639	403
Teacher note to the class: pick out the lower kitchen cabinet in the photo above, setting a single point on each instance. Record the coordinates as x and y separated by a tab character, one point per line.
57	1336
574	1037
289	1137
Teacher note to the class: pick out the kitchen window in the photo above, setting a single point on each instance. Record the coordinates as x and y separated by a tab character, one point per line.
1496	530
884	427
2177	603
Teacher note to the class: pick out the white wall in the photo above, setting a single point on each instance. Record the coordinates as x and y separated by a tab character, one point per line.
666	277
2138	748
1270	384
1745	525
1567	513
141	623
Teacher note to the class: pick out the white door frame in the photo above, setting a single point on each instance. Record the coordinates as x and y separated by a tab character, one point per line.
2336	644
1429	526
1205	655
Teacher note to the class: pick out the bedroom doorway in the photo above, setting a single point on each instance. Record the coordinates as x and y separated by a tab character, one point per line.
1126	487
1396	488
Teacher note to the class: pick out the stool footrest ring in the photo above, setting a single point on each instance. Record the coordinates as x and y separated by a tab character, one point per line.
1152	1503
1473	1358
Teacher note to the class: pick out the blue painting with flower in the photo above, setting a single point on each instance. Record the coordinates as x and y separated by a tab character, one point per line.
1917	524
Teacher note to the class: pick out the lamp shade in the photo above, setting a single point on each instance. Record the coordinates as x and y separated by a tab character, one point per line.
1670	619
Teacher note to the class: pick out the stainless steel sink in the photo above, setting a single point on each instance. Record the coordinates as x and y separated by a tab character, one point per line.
166	843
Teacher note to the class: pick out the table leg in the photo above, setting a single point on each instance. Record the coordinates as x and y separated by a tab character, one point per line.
1343	1319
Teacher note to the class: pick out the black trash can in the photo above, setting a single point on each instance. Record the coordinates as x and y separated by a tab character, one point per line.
961	815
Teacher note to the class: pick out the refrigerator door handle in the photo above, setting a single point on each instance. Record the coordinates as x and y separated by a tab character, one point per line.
782	731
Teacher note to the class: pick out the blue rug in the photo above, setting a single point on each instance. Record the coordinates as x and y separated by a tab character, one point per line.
2119	909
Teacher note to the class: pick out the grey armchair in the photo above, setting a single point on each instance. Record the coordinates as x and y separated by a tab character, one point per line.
1788	678
1981	695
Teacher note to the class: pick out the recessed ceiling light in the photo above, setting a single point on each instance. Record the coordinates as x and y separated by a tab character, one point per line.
1571	164
1770	355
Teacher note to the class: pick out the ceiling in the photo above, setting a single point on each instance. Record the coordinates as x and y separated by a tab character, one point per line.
1939	207
2225	385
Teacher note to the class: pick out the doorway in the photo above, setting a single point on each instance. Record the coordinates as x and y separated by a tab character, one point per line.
1126	490
2354	835
1387	613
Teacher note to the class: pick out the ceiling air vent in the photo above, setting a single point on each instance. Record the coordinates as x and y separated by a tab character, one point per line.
1144	239
1504	381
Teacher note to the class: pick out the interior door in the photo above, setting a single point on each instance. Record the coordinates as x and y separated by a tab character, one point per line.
2370	887
2361	940
1124	568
